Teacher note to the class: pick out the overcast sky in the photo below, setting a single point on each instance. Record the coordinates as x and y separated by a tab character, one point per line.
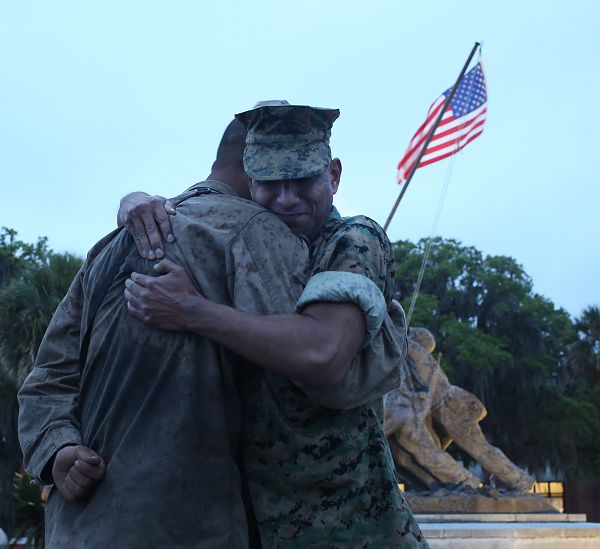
102	98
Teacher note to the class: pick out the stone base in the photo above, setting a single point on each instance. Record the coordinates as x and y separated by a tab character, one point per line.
450	502
570	532
502	517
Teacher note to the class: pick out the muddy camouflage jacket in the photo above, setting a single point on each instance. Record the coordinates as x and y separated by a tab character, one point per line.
162	408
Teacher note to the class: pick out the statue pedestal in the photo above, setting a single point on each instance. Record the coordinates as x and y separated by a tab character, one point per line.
509	531
451	502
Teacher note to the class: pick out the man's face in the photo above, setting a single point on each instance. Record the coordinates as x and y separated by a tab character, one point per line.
303	204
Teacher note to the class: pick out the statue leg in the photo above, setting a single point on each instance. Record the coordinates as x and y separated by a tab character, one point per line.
416	437
436	461
409	468
458	415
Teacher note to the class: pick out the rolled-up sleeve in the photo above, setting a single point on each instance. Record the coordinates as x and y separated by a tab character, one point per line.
360	254
373	372
344	287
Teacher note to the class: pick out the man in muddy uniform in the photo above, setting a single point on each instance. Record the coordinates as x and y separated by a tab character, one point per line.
160	409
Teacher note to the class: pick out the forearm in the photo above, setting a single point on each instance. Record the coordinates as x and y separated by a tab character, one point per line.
311	347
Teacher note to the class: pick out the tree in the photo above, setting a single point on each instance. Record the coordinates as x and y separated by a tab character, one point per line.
583	361
580	429
26	307
33	280
508	345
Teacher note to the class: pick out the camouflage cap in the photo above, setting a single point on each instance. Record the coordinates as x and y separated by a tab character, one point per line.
271	103
287	141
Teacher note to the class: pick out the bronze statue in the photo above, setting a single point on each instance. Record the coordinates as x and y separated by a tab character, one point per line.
426	413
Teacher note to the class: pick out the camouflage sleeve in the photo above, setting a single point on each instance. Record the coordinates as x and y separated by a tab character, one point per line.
373	372
339	287
359	245
48	398
48	418
269	266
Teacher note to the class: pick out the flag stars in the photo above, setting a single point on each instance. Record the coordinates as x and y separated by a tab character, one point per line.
470	94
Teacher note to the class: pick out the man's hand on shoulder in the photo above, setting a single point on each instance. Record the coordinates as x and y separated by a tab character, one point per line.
76	471
169	301
147	218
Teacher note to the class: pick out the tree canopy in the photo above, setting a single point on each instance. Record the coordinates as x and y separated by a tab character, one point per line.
33	280
512	348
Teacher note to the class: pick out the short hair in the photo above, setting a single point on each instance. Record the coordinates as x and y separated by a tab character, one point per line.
231	148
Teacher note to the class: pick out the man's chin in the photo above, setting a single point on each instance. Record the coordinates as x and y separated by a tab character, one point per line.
296	229
299	229
294	222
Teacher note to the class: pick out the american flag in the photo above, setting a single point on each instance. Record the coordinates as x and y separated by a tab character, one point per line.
462	122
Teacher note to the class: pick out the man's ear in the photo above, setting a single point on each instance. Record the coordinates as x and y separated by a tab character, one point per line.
335	171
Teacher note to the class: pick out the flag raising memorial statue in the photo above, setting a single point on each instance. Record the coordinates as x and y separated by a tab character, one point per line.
426	413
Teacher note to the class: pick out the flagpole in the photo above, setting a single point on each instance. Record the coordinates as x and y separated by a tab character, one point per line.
430	136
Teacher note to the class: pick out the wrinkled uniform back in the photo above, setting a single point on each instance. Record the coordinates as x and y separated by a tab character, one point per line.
162	408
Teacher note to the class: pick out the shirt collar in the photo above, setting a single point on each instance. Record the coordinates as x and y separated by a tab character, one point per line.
215	185
334	215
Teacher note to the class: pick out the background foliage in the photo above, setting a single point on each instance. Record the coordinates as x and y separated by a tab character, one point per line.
535	369
33	280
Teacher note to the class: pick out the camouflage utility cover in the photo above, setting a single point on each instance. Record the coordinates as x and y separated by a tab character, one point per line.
322	476
287	141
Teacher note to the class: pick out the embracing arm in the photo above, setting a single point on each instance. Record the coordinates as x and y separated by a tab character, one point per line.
315	346
340	312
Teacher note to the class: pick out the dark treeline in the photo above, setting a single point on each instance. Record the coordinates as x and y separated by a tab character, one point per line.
33	280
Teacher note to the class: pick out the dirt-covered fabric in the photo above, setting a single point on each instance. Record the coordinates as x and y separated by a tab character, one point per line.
161	408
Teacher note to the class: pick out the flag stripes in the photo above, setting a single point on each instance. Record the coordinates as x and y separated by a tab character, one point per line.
462	122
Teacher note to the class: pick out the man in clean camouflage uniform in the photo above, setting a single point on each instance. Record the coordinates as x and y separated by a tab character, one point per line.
319	467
